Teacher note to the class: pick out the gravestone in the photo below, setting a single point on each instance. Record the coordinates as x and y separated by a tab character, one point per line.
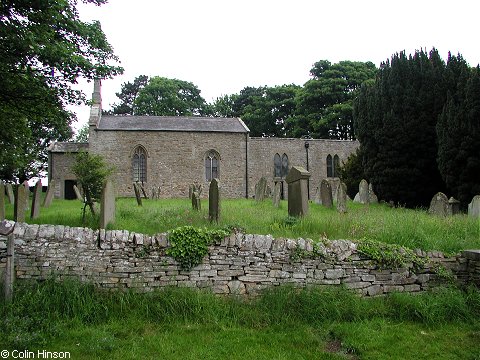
20	201
474	207
260	189
342	198
107	205
78	194
356	198
214	200
453	206
137	194
50	192
318	198
190	191
326	194
372	197
10	194
196	203
268	191
27	196
439	205
276	194
2	201
154	193
37	193
297	180
363	191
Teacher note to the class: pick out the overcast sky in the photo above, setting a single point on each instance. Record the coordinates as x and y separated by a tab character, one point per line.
222	46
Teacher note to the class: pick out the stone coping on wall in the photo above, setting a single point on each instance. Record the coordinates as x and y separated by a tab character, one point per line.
239	264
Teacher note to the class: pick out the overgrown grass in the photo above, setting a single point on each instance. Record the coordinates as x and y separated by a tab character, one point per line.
406	227
283	323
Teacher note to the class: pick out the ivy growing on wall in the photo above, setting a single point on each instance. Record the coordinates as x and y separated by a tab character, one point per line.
188	245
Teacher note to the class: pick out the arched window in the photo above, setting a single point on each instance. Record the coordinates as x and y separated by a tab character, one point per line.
329	166
336	166
277	166
212	161
284	165
139	165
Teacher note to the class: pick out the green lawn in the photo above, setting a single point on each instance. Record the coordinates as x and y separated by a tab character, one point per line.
410	228
283	323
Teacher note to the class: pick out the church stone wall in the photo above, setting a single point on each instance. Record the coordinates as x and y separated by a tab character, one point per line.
263	150
175	160
60	170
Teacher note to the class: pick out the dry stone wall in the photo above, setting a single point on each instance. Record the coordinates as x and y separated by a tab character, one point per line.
240	264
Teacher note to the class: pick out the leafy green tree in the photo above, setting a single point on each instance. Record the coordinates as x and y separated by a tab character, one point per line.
82	134
92	172
458	131
351	172
325	103
223	106
395	119
266	110
128	94
44	48
170	97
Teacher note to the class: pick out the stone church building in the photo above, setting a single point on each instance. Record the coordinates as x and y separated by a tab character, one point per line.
175	152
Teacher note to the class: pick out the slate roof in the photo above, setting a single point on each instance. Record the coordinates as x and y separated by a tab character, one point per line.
172	123
67	147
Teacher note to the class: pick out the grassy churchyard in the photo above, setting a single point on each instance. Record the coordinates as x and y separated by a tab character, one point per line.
283	323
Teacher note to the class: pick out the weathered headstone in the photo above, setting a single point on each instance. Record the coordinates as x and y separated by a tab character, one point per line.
326	194
474	207
78	194
453	206
10	194
363	191
439	205
372	197
37	194
268	191
342	198
27	194
276	194
196	203
137	194
297	180
214	201
50	192
107	205
20	201
2	201
260	189
356	198
318	198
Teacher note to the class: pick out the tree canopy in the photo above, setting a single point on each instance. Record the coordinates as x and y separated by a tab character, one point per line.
44	48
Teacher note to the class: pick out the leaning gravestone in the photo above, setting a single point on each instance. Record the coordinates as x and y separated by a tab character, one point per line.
107	205
20	202
196	204
137	194
363	191
276	194
297	180
372	197
356	198
2	201
50	192
474	207
37	193
326	194
10	195
78	194
260	189
214	201
439	205
342	198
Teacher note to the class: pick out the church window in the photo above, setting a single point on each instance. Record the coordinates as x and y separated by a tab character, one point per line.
277	166
336	166
329	166
139	165
212	165
284	165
